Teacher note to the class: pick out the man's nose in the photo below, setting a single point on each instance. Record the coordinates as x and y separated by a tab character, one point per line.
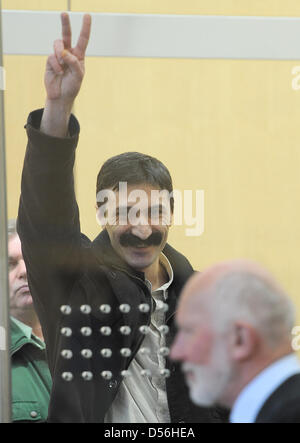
142	231
21	270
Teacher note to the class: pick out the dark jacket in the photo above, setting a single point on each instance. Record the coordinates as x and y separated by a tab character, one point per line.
283	405
65	268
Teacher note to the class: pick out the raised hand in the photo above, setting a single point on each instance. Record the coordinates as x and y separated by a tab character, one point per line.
65	68
64	74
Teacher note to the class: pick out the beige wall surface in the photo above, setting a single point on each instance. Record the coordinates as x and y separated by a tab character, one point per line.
230	128
39	5
208	7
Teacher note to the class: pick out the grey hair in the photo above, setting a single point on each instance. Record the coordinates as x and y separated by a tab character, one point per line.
11	228
242	295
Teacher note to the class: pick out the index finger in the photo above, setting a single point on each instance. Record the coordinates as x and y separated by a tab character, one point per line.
84	37
66	30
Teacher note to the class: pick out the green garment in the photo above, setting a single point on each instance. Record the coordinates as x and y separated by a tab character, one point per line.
31	380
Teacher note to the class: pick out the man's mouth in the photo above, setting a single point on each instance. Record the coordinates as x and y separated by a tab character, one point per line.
189	374
24	290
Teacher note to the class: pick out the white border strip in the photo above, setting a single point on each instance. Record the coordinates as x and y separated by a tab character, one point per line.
2	79
166	36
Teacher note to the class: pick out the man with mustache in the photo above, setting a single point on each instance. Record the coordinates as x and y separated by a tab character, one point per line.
107	307
234	339
31	380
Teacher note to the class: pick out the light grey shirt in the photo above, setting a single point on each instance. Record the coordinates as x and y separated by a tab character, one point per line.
143	398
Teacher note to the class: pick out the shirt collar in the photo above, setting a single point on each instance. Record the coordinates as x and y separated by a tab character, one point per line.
253	396
27	332
167	265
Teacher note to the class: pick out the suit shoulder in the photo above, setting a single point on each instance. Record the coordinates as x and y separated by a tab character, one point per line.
283	405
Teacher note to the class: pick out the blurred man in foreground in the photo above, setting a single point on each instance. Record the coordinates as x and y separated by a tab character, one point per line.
234	340
31	380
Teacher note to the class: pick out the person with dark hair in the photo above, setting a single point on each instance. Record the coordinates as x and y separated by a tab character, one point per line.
107	307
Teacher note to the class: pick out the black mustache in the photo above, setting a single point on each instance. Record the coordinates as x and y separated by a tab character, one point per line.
129	239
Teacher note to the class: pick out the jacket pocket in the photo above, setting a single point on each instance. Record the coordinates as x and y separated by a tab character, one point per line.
26	411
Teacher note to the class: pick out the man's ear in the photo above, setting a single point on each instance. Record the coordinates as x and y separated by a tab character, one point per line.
100	217
244	341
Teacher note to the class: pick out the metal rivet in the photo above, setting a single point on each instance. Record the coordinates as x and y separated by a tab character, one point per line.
86	353
66	309
85	309
144	307
33	414
126	373
165	372
146	372
105	330
164	329
164	351
161	306
106	374
144	329
125	330
125	352
66	353
106	352
144	351
113	384
86	375
105	309
67	332
67	376
86	331
124	308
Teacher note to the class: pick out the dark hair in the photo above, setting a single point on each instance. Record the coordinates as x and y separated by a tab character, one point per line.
134	168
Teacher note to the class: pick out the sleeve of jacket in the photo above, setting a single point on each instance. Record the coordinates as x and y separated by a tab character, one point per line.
48	219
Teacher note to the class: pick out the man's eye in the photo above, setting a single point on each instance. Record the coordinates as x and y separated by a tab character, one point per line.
159	214
122	212
156	211
11	265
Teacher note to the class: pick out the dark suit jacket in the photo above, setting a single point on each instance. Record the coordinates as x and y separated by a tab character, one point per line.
283	406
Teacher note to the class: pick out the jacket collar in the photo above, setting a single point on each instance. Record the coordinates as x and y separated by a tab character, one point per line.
19	338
